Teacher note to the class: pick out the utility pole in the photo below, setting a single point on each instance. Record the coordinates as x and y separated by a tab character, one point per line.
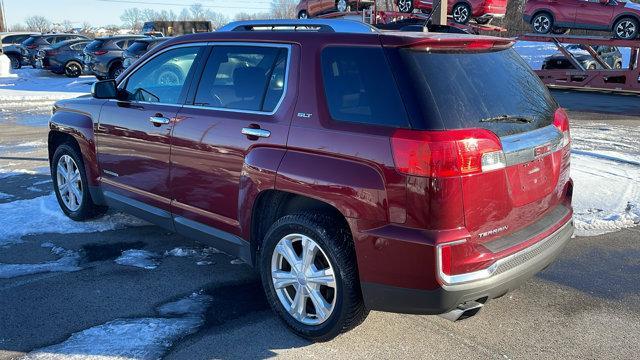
439	16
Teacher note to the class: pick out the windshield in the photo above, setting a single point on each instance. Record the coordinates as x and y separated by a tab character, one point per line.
492	90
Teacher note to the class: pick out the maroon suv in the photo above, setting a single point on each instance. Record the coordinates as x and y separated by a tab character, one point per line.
357	170
558	16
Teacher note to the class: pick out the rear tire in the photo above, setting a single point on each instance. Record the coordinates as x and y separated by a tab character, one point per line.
15	62
626	28
461	13
332	254
67	168
405	6
542	23
115	71
73	69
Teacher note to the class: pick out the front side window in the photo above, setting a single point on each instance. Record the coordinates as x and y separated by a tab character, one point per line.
162	79
360	88
243	78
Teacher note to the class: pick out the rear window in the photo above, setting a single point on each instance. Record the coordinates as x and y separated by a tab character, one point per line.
360	88
29	41
138	47
94	45
492	90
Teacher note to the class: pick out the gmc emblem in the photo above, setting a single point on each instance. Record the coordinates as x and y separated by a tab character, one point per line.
541	150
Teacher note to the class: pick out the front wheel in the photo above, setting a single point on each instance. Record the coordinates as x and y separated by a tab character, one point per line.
342	6
405	6
303	14
626	28
542	23
15	62
115	71
70	185
309	273
461	13
73	69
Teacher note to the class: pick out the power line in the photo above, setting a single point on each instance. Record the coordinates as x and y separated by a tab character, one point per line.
139	2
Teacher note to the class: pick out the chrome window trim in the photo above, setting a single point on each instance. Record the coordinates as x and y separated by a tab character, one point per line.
284	88
122	83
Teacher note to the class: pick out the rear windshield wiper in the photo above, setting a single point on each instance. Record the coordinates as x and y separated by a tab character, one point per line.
508	119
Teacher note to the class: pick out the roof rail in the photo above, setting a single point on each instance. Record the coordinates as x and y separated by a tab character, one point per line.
317	25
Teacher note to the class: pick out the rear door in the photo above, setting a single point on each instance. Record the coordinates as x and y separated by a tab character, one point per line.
133	134
236	110
593	15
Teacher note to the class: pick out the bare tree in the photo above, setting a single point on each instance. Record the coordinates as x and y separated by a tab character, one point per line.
38	23
252	16
149	14
197	12
86	29
283	9
66	25
185	15
18	27
217	20
132	18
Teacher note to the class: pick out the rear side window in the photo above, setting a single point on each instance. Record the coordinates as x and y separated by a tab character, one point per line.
360	88
243	78
78	46
492	90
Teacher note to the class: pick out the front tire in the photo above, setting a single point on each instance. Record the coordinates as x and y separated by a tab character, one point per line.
310	277
15	62
70	185
461	13
342	6
405	6
542	23
626	28
115	71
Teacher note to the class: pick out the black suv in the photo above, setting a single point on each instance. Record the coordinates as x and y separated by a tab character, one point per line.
103	56
610	54
30	47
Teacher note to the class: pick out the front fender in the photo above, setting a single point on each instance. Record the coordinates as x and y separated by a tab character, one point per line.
357	190
80	126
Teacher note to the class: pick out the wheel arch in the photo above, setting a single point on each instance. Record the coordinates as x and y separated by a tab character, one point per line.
540	11
620	16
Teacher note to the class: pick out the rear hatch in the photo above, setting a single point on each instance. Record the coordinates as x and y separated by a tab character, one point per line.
92	50
514	159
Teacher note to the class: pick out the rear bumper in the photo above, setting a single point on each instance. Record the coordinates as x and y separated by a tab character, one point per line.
512	272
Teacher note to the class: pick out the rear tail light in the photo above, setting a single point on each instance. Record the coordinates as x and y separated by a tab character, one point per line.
32	47
51	53
447	153
460	261
561	121
100	52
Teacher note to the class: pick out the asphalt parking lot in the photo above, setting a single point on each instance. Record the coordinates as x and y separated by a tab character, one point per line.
583	306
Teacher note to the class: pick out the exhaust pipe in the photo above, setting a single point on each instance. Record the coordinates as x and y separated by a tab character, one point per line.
463	311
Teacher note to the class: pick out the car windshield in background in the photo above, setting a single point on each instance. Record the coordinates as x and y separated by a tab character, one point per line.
138	47
492	90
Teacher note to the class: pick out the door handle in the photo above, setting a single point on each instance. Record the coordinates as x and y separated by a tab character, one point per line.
159	120
259	133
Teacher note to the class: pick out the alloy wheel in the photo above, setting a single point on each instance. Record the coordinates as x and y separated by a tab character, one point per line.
303	15
69	182
73	70
304	279
342	5
405	5
461	14
626	29
541	24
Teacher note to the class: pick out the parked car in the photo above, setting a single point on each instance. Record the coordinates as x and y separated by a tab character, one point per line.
10	42
103	56
482	11
311	8
175	28
610	54
558	16
63	58
30	47
336	162
140	47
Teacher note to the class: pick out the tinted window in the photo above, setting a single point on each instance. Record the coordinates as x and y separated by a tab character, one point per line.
30	41
138	47
238	77
14	39
467	90
275	88
360	88
94	45
162	78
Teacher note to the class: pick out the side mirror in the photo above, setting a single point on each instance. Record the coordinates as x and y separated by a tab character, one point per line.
105	89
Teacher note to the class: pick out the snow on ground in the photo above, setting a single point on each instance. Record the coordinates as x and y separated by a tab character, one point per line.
43	215
138	338
139	258
33	84
605	167
67	262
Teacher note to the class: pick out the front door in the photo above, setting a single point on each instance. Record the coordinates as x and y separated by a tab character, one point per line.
133	134
240	107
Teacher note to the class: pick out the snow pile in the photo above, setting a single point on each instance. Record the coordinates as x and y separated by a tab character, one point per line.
5	66
142	338
33	84
68	262
605	167
202	255
43	215
139	258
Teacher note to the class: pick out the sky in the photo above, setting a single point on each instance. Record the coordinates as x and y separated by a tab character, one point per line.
107	12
